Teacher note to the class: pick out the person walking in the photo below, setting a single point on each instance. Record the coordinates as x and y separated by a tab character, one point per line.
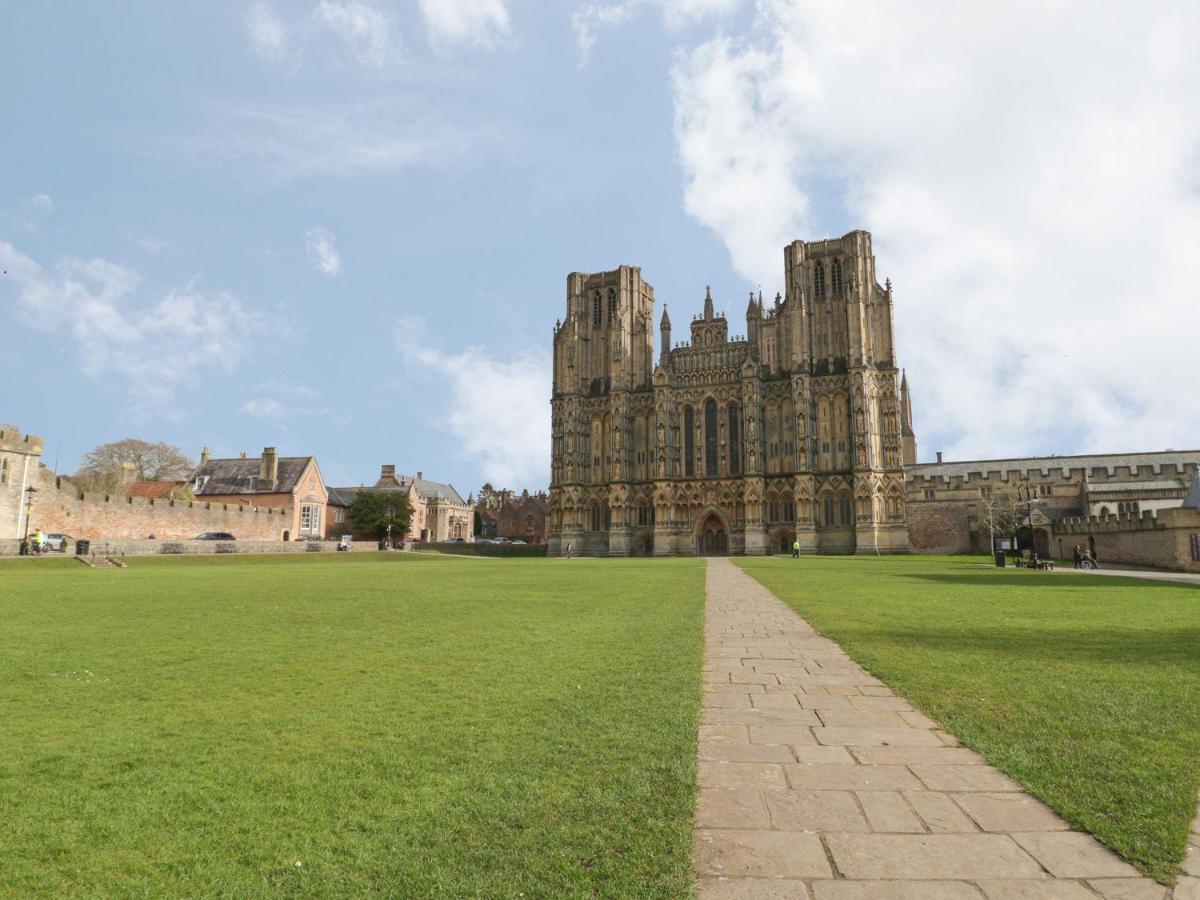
570	549
1078	556
796	549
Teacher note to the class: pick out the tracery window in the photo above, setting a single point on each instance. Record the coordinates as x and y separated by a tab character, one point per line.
689	443
835	276
847	512
612	304
597	310
819	278
735	441
710	438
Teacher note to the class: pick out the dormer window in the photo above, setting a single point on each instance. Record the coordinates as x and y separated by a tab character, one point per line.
199	483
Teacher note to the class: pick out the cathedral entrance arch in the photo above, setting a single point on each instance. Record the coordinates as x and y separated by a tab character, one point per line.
712	533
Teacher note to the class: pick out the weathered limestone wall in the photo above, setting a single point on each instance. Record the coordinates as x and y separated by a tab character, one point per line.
192	548
20	459
1162	538
938	526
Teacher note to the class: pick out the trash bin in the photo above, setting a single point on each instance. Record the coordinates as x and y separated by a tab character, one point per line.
383	545
82	547
999	559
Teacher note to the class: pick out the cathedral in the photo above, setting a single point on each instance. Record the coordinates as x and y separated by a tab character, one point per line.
796	431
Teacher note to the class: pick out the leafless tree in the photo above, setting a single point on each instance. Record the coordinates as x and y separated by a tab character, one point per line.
997	512
103	469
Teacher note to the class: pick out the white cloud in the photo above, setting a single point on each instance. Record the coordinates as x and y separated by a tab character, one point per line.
478	22
41	203
359	26
148	351
1028	171
366	29
267	33
282	144
590	19
263	408
321	252
499	410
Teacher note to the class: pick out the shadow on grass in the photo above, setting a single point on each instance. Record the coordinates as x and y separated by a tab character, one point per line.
1023	579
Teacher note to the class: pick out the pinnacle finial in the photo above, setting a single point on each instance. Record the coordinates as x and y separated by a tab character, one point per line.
708	292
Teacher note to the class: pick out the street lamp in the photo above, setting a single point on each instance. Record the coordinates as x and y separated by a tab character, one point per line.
29	492
1030	500
390	512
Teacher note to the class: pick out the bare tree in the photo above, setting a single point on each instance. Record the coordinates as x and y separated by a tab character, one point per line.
997	512
103	469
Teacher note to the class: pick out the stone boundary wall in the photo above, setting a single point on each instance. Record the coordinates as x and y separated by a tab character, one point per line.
1161	538
59	508
938	526
194	548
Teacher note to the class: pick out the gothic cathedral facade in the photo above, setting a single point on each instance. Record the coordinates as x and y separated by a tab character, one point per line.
796	431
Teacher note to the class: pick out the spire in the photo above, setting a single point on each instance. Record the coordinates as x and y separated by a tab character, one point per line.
708	303
905	404
752	309
664	327
665	322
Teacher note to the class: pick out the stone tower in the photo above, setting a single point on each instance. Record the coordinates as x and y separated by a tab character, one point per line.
796	431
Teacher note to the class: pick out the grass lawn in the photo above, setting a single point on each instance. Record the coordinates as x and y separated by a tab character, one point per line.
1085	689
341	725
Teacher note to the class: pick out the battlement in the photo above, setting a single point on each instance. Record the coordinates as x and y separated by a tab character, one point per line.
1086	467
13	441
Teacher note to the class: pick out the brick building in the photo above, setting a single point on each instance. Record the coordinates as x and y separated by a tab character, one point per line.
514	517
292	484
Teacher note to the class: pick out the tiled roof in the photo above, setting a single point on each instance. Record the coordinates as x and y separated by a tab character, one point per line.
240	476
155	490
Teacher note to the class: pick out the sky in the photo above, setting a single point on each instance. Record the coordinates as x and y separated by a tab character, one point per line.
343	227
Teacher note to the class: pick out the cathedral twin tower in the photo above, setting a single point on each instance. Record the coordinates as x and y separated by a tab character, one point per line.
797	431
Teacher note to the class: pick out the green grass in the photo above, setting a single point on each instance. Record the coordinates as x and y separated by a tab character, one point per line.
352	724
1085	689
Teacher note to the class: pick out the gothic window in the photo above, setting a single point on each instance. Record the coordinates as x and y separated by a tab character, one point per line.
3	471
612	304
789	511
773	510
835	276
710	438
819	278
595	518
689	444
735	443
829	513
597	310
847	514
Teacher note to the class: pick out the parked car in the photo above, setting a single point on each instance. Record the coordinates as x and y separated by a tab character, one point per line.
518	542
215	536
57	542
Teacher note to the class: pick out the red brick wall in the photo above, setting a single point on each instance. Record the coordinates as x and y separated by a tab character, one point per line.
59	509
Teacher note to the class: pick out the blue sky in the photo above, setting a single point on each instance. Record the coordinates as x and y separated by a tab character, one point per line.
344	228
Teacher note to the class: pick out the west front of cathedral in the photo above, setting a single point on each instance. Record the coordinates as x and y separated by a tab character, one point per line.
795	432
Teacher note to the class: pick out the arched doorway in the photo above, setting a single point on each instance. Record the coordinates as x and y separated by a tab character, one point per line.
712	536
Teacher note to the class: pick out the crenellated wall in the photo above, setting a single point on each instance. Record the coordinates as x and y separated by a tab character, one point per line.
58	507
1166	538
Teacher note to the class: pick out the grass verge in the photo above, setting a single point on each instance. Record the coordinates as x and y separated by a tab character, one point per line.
1085	689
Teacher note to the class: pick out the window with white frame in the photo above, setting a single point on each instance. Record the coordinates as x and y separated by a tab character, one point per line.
310	518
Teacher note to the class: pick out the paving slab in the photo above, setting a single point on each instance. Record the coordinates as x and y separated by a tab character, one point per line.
819	783
894	890
761	854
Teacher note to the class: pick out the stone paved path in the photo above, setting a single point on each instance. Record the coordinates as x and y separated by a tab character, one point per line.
817	782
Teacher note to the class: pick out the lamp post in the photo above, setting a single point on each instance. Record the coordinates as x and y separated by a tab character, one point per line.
1030	500
390	512
29	492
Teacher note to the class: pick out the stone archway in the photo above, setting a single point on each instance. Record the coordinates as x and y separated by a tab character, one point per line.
712	534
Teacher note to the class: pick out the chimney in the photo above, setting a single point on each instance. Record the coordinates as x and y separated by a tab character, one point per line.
939	456
243	454
268	469
387	472
420	476
205	456
129	473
